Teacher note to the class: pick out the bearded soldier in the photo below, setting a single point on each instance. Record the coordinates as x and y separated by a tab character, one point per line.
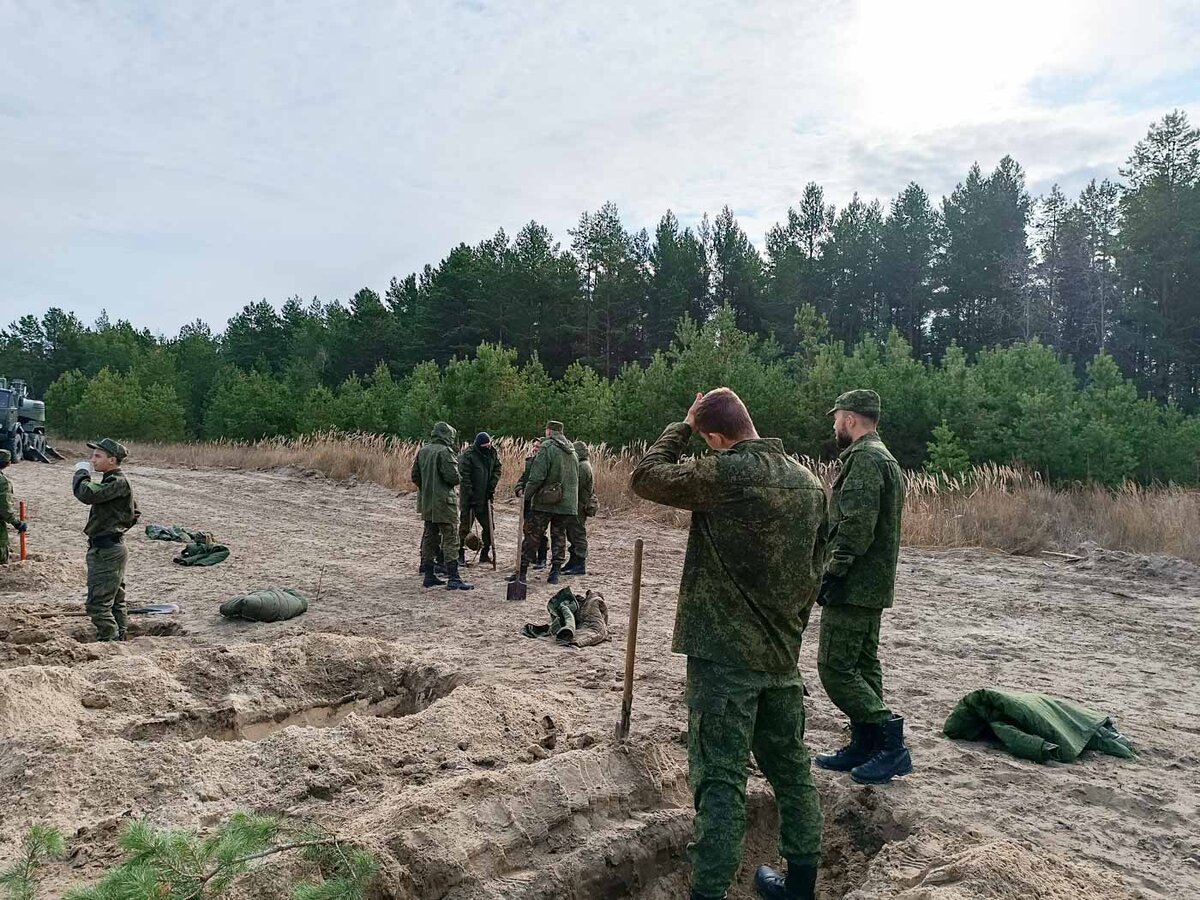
113	512
750	576
858	585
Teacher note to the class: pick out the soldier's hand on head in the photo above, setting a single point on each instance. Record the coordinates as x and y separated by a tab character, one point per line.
690	419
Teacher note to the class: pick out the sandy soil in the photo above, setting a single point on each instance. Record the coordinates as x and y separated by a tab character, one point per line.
478	763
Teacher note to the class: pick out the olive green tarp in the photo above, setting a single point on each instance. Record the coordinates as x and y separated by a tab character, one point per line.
267	605
1037	727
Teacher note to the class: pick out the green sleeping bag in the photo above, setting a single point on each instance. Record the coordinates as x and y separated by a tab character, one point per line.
269	605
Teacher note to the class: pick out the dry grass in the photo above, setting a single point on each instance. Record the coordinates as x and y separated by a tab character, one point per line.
992	506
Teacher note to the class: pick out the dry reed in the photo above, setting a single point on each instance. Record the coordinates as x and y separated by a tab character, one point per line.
1002	507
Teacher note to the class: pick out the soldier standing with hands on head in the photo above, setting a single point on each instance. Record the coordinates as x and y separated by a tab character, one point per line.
113	512
8	507
479	473
858	585
435	473
750	576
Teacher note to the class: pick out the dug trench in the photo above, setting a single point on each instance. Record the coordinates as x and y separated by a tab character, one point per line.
479	764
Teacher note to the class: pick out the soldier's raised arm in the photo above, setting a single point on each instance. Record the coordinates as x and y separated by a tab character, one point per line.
661	478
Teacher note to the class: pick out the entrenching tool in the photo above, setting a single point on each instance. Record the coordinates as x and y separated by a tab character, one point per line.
517	589
635	598
22	533
492	532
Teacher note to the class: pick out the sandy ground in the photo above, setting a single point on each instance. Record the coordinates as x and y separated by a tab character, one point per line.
479	763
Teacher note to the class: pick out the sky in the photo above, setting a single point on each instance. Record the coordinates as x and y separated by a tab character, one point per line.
172	161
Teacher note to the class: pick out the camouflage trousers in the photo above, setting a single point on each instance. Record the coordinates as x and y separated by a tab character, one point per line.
848	662
438	538
106	591
731	713
470	513
536	523
577	536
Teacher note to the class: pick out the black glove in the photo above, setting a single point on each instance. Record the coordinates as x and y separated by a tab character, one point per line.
21	527
833	590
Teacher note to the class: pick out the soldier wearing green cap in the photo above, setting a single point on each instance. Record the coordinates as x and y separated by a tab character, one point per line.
552	491
8	507
113	512
858	584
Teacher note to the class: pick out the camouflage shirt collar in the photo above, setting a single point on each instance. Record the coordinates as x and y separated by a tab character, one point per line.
767	445
871	437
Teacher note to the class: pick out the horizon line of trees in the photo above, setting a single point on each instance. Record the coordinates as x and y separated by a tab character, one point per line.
1101	289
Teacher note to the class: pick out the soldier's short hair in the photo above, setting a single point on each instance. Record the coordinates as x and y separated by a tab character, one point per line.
723	411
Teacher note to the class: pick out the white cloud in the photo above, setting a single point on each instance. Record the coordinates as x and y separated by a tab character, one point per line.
173	160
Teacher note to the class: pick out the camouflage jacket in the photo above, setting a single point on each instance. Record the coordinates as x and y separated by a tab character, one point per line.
8	503
113	508
435	473
754	552
864	523
555	464
479	471
587	484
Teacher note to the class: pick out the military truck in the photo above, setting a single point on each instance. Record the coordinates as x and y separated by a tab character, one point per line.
23	424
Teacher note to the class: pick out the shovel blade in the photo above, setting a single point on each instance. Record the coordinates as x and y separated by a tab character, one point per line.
517	590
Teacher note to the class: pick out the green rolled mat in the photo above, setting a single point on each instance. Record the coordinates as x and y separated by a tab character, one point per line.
268	605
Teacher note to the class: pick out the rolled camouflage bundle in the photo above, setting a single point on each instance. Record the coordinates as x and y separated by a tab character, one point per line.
268	605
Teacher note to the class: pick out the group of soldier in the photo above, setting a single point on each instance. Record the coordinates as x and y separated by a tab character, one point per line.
556	490
763	547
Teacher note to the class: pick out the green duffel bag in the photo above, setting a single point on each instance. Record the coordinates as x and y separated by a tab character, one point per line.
269	605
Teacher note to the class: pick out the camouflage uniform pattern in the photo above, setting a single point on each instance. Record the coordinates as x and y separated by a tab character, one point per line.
8	514
439	541
755	548
750	577
113	512
733	712
555	464
864	540
543	544
577	524
435	473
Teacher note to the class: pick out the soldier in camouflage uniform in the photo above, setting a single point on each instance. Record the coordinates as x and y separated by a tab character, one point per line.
859	583
113	512
435	473
543	541
8	507
577	524
750	576
553	492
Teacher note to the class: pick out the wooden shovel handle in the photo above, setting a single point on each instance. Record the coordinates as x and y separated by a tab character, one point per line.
635	599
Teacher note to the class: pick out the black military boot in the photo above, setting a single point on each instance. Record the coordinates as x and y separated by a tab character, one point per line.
891	757
555	571
572	562
454	581
864	738
800	883
523	575
431	579
484	555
